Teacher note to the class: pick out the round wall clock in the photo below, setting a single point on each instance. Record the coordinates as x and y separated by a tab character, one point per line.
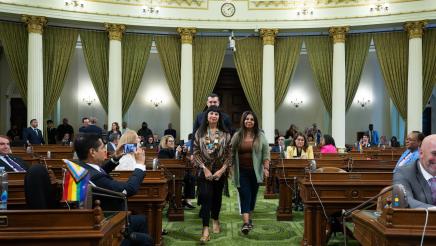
228	9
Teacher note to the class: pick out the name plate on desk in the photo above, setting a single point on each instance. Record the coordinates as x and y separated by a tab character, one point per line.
3	221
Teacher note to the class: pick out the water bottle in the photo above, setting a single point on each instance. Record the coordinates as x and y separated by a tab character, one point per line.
396	201
4	190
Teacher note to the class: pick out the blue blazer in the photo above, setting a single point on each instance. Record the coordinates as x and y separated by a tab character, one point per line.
104	180
29	135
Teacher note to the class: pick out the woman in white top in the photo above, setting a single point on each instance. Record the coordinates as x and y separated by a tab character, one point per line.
128	161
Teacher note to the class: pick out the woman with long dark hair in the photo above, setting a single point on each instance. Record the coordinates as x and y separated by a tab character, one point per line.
328	144
212	156
300	148
251	158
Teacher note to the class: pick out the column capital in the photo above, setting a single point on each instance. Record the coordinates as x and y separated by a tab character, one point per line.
415	28
186	34
35	24
268	35
338	33
115	31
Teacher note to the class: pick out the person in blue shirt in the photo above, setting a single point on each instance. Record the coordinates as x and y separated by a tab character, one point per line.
413	142
373	135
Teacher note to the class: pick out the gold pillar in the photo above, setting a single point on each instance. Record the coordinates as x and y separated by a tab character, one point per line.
186	34
35	24
115	31
268	36
415	28
338	33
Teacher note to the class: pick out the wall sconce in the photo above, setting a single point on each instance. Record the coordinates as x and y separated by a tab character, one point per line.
379	6
88	100
363	102
296	102
156	103
74	3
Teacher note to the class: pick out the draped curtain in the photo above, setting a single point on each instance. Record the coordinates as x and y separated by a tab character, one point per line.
208	58
136	50
429	64
169	48
59	46
96	49
14	39
320	53
356	51
392	50
248	60
286	55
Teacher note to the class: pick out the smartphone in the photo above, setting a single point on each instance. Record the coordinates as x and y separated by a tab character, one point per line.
181	142
129	148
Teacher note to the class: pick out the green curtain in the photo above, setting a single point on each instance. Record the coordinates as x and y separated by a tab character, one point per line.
14	39
248	60
59	46
96	51
429	64
320	53
356	51
286	55
208	55
392	50
169	48
136	50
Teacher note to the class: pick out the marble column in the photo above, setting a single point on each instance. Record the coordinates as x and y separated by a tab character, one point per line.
338	91
414	77
115	87
186	82
268	83
35	73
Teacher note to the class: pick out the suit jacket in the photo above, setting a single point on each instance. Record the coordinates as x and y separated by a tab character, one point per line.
104	180
418	191
166	154
91	129
30	135
374	137
171	132
199	119
17	160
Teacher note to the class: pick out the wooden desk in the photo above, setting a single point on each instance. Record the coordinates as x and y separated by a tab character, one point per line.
395	226
175	173
337	191
371	165
16	199
150	200
60	227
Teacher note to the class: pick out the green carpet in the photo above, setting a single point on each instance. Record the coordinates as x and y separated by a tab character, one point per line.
267	230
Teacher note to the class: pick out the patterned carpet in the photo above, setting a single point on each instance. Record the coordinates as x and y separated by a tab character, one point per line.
267	230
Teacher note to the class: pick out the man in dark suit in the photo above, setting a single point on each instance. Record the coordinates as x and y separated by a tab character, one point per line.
9	162
419	179
212	100
170	131
64	128
32	135
92	154
89	127
51	132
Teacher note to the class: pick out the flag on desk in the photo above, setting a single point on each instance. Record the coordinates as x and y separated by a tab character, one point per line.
76	182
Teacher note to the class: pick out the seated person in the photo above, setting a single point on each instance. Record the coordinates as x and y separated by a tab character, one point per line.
111	146
41	189
168	150
413	141
310	140
66	140
128	161
419	178
328	144
92	154
394	142
363	143
300	148
150	143
383	142
7	160
280	146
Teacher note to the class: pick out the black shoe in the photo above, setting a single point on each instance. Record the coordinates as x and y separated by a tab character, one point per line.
250	224
245	228
187	205
164	232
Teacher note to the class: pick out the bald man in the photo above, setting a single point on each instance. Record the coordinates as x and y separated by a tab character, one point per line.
419	178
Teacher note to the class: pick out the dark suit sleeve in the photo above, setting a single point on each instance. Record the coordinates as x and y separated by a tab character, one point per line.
403	176
41	137
131	186
25	135
109	166
20	162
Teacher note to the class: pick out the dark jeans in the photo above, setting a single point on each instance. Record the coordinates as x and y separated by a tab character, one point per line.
210	194
138	232
248	188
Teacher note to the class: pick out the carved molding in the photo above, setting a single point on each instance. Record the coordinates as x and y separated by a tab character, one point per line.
35	24
115	31
186	34
268	35
415	28
339	33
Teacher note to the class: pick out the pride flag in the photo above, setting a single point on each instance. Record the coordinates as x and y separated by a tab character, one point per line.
76	182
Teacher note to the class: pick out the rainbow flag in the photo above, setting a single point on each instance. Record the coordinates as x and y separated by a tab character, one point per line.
76	182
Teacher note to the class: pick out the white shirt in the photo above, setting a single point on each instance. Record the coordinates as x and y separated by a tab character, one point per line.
128	163
427	176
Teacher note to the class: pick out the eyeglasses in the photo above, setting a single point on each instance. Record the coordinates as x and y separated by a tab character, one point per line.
170	141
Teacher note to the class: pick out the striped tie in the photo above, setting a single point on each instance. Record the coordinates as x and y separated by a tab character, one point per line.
433	189
14	165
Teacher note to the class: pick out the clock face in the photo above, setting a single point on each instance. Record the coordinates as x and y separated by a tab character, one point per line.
228	9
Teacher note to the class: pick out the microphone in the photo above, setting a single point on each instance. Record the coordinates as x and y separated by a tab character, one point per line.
116	194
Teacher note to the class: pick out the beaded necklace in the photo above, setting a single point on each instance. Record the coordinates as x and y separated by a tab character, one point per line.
212	142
